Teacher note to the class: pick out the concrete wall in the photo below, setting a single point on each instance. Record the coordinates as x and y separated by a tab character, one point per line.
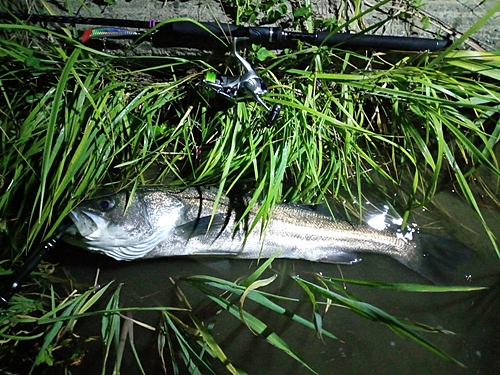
445	17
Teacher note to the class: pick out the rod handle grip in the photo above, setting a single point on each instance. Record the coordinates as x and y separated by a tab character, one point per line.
398	43
185	33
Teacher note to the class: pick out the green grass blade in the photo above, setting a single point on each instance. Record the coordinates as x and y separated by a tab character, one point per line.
373	313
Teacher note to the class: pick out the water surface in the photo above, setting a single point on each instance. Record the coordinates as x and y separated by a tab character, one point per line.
366	347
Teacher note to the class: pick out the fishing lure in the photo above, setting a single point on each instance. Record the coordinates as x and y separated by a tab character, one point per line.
107	32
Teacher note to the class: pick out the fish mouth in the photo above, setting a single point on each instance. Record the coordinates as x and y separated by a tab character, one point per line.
85	223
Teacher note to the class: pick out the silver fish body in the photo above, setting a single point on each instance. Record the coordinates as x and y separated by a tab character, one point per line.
159	223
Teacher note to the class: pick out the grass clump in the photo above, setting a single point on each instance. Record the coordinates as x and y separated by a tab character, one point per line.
75	119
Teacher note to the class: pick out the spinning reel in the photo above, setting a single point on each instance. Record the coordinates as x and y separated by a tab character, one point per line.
241	87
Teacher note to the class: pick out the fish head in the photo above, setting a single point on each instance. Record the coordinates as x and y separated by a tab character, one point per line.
124	227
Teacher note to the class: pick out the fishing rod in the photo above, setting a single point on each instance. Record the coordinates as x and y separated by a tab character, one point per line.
184	32
247	85
14	282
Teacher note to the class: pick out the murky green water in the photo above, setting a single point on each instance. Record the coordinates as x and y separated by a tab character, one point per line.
366	347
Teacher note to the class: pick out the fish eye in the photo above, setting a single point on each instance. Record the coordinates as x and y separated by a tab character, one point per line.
105	203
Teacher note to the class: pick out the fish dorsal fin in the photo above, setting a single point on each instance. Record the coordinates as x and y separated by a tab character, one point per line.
202	226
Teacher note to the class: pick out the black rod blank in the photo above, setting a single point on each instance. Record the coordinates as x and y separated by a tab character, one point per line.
15	280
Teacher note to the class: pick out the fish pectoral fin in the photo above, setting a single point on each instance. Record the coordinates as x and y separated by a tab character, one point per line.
202	226
341	258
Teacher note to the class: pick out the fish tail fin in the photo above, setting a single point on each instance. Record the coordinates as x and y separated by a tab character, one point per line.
436	258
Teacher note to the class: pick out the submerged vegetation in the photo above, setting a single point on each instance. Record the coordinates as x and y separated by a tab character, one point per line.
75	119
